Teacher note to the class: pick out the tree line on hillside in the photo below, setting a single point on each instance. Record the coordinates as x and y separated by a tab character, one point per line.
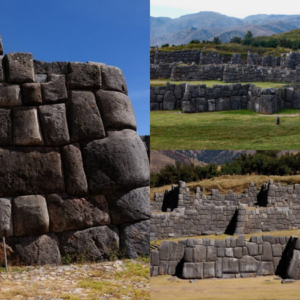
262	163
265	42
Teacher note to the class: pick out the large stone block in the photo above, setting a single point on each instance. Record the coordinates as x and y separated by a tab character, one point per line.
116	110
93	244
201	105
293	270
230	265
6	223
19	67
176	251
26	128
113	79
129	206
83	76
135	239
211	105
116	163
76	183
222	104
209	270
73	213
252	248
5	127
266	268
10	95
84	118
26	170
164	251
2	76
267	252
192	270
54	124
55	90
235	102
36	250
248	264
42	67
30	215
296	101
154	258
32	94
169	101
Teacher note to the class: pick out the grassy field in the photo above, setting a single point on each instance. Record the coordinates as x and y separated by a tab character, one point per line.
236	183
260	288
210	83
230	130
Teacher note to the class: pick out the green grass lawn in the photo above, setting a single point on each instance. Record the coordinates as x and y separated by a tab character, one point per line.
210	83
230	130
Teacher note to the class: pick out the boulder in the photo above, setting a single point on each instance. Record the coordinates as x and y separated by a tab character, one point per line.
5	127
93	244
26	129
129	206
113	79
30	215
19	67
55	90
73	213
10	95
75	179
54	124
117	163
6	222
135	239
42	167
83	76
36	250
169	101
84	118
116	110
32	94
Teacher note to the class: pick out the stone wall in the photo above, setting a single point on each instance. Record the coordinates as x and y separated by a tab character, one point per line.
160	71
185	56
229	258
252	59
270	61
67	142
192	73
179	212
290	60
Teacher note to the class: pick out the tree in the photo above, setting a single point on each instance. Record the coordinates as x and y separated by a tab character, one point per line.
248	35
236	40
217	40
194	42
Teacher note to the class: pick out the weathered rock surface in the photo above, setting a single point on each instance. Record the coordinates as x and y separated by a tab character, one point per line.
10	95
84	118
54	124
116	110
116	163
32	94
113	79
6	224
27	170
135	239
30	215
5	127
55	90
70	213
130	206
19	67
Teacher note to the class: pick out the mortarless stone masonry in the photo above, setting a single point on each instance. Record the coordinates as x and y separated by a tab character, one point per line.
74	176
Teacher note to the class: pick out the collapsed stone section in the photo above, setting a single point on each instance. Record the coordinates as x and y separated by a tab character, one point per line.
228	258
74	177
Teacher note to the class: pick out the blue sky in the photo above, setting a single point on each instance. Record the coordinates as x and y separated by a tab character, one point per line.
115	32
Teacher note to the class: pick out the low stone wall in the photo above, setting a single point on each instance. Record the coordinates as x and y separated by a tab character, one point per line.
185	56
290	60
193	73
160	71
178	212
229	258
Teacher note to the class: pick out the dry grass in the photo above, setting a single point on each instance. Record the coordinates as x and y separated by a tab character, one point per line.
288	233
260	288
236	183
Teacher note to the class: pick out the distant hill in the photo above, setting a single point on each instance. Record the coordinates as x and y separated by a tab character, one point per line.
160	158
206	25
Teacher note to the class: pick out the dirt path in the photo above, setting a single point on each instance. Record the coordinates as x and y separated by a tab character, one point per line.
127	279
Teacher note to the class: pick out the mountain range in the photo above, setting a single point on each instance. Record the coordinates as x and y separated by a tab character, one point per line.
205	25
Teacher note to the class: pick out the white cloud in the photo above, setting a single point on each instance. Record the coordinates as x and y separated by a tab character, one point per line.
232	8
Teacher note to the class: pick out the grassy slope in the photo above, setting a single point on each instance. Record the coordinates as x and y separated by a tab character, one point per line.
211	83
236	183
260	288
230	130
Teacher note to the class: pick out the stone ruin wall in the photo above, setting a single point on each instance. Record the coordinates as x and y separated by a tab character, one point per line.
74	176
271	207
229	258
199	98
